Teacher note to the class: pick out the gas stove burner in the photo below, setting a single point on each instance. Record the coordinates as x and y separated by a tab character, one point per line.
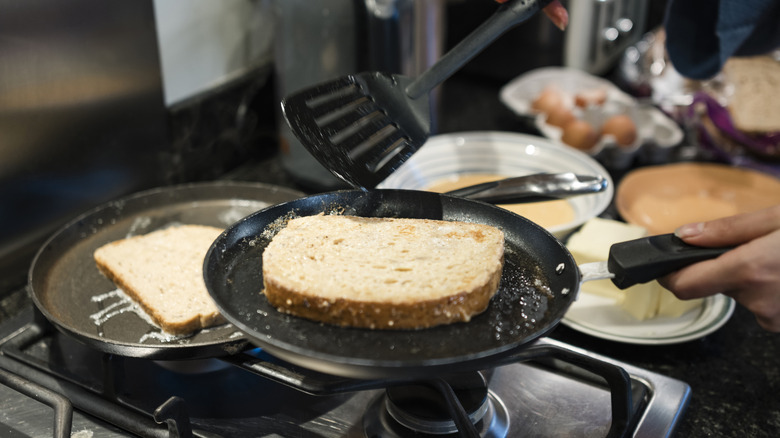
422	410
193	366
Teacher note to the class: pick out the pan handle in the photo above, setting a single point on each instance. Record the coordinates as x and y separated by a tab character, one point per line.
648	258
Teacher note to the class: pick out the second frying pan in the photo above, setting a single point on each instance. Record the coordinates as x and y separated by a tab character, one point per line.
72	294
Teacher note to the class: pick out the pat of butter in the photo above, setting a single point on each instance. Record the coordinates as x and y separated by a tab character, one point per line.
673	307
643	301
603	288
591	244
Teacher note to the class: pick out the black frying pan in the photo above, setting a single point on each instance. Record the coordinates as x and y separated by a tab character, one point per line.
539	282
64	281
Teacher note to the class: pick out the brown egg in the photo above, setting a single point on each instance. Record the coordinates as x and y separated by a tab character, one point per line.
590	97
548	100
559	117
580	135
622	128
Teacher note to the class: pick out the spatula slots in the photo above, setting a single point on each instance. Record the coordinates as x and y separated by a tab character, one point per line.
363	126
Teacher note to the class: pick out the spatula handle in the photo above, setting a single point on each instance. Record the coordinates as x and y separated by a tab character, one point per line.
507	16
648	258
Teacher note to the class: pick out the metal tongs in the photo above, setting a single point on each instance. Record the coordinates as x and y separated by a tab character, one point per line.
532	188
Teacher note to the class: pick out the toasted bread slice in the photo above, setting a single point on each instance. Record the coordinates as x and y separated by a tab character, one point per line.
383	273
163	272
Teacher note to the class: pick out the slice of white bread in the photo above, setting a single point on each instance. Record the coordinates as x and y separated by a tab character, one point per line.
383	273
755	104
163	272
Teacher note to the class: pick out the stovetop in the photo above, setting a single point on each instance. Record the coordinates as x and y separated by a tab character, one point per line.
253	394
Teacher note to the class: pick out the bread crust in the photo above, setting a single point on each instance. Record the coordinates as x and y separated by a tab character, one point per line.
459	307
196	322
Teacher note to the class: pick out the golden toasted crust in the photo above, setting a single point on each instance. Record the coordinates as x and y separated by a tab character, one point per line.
345	312
383	273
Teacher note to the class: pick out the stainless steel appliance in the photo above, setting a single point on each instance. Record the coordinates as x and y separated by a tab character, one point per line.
81	114
601	30
253	394
102	385
547	389
598	33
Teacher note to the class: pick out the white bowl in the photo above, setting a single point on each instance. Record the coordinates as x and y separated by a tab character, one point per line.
500	153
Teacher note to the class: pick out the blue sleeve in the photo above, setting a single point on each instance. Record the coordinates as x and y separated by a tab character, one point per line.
702	34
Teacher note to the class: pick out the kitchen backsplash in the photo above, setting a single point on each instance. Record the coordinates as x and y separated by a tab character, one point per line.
205	44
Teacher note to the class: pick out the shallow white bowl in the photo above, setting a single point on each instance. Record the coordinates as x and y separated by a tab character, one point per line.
502	153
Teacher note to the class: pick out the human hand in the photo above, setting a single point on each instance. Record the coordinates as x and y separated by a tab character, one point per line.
555	12
750	273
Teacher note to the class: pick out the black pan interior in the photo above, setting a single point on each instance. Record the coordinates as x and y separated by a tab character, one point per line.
67	287
539	282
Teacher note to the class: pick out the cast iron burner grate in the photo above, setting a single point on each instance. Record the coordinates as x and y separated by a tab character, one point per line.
424	410
36	356
432	407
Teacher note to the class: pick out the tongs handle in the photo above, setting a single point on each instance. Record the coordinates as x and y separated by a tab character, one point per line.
532	188
506	17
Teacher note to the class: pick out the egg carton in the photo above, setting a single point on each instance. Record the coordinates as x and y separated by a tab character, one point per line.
656	133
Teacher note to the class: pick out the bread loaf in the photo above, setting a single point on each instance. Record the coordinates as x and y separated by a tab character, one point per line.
163	272
383	273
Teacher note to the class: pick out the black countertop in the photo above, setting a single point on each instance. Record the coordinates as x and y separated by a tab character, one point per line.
734	373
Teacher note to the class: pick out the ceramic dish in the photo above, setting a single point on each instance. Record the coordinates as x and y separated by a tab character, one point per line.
603	318
661	198
506	154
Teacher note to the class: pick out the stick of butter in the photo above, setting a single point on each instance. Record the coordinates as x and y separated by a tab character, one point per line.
591	244
673	307
643	301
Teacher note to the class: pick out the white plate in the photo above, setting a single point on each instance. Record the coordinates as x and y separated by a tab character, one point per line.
502	153
601	317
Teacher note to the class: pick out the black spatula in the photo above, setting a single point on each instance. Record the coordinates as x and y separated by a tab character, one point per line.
361	127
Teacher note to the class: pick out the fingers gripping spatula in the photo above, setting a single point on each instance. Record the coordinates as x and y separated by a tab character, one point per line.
361	127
